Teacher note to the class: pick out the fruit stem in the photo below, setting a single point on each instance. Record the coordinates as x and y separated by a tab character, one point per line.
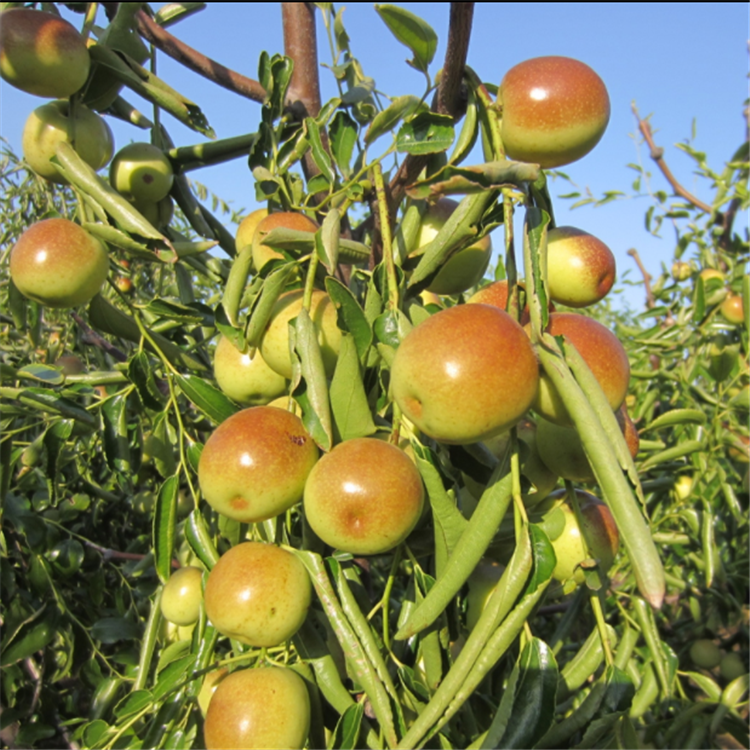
385	233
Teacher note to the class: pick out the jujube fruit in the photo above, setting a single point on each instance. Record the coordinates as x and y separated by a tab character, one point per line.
465	374
182	596
58	263
255	464
265	707
42	54
555	110
258	594
364	497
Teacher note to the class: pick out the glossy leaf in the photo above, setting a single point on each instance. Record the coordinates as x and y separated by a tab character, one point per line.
165	519
349	405
426	133
206	397
411	31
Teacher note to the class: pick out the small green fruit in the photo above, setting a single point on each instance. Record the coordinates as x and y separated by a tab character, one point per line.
141	172
182	596
705	654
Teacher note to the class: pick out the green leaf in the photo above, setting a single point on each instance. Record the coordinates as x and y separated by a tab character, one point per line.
114	629
400	108
133	703
327	240
42	373
313	395
351	411
143	377
262	311
66	557
342	136
200	540
675	417
165	519
115	433
30	639
206	397
319	153
412	32
527	709
426	133
174	674
351	317
346	734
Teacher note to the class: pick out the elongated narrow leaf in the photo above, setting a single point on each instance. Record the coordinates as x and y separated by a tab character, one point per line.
206	397
400	108
351	315
346	734
351	411
531	705
165	518
342	135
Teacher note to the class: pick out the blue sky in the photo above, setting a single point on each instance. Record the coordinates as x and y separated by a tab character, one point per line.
680	63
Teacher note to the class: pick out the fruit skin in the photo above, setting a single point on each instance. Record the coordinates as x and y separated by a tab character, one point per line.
258	593
732	309
364	497
555	110
595	537
208	688
266	707
158	213
580	267
683	487
282	220
141	172
182	596
681	271
732	666
602	351
245	377
51	124
705	654
42	54
247	227
481	584
463	269
465	374
496	294
274	346
255	464
561	450
59	264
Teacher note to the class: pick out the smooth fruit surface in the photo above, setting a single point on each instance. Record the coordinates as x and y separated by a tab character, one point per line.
496	294
245	376
41	53
555	110
255	464
141	172
364	497
208	688
274	347
732	666
262	253
51	124
732	309
593	536
603	353
705	654
681	270
580	267
481	584
247	227
465	374
258	593
266	707
158	213
463	269
182	596
59	264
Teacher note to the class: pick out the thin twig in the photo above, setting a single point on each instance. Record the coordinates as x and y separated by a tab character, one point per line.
650	302
198	62
90	336
657	154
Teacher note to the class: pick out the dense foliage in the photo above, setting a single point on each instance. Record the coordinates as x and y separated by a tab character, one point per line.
106	409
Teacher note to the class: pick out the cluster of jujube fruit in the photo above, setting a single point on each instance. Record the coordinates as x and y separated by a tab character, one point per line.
468	373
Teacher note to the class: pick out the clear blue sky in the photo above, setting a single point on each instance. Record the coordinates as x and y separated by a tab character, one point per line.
680	63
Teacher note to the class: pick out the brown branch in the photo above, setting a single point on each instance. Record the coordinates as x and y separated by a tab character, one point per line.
650	302
198	62
301	46
657	154
449	100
